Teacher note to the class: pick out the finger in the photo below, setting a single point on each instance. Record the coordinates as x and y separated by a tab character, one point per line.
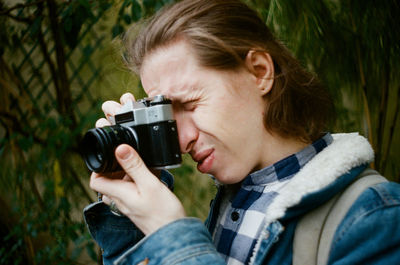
110	108
106	199
127	97
133	165
112	188
127	178
102	122
118	175
113	175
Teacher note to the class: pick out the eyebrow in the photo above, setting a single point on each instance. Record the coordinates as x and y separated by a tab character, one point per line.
180	95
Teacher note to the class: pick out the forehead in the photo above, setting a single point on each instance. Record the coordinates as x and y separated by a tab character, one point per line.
171	70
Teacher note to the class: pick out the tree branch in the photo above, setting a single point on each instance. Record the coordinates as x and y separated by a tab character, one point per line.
363	89
383	108
64	95
27	20
391	131
53	70
18	6
16	126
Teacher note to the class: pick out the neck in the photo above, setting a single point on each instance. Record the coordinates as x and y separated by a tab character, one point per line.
278	148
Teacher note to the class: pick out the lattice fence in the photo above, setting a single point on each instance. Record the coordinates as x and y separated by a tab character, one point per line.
43	77
48	78
51	69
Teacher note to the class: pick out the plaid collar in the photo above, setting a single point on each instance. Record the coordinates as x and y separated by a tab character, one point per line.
287	167
241	222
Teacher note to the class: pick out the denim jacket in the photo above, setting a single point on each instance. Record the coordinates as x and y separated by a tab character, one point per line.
368	234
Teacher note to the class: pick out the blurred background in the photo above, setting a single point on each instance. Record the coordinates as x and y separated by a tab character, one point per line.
60	60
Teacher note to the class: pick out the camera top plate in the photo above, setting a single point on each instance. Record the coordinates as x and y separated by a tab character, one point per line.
144	111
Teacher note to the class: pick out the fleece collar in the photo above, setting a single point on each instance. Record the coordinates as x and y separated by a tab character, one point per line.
346	152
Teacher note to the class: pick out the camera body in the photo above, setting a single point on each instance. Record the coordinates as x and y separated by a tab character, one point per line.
147	125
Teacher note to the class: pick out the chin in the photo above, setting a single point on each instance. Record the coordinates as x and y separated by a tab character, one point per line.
228	179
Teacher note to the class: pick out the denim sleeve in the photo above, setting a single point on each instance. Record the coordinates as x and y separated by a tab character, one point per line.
114	234
185	241
370	231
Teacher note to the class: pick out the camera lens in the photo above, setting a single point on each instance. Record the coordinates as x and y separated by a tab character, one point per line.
99	154
98	146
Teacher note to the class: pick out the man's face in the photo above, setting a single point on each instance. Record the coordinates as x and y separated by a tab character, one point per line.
219	113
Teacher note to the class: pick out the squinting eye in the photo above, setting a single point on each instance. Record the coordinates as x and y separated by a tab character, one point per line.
189	106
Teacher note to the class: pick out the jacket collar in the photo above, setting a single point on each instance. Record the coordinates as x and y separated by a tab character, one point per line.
346	152
327	173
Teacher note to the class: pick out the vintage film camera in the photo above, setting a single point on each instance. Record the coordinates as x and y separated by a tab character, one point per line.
147	125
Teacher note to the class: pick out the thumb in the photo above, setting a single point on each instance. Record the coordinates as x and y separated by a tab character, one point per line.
133	164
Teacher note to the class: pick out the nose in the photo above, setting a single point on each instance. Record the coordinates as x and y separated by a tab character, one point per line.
187	131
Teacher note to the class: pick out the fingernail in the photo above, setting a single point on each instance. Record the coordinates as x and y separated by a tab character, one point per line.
123	152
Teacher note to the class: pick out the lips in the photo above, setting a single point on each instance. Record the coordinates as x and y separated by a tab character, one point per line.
204	160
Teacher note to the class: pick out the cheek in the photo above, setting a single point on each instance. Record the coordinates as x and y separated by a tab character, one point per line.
221	125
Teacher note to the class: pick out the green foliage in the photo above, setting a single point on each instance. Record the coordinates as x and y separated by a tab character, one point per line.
55	71
134	10
73	17
45	75
353	48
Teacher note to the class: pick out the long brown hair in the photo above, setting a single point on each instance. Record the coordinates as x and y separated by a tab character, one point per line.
221	33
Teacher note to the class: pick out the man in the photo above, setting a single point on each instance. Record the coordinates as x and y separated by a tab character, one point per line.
252	117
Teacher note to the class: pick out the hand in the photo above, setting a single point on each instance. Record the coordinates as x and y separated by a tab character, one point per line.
138	194
110	108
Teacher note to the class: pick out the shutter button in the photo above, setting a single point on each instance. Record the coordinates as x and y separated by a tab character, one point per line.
235	216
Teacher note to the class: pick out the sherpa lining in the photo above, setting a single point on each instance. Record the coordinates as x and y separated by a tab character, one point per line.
344	153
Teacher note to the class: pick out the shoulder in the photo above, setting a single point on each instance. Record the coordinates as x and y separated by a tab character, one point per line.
370	233
376	198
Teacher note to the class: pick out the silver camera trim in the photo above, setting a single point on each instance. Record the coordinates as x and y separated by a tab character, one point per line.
143	114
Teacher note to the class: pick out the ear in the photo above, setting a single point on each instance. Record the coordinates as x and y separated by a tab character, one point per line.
261	66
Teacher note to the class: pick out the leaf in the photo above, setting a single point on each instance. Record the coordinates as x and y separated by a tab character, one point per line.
76	252
72	20
127	19
37	23
123	6
136	11
149	4
90	250
87	51
84	3
58	188
25	143
104	5
117	30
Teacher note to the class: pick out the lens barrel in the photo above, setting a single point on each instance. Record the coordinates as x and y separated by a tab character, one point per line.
98	147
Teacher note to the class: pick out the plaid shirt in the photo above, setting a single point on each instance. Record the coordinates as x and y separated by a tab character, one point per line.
239	226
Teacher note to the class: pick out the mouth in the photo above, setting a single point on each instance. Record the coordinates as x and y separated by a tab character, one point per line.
204	160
